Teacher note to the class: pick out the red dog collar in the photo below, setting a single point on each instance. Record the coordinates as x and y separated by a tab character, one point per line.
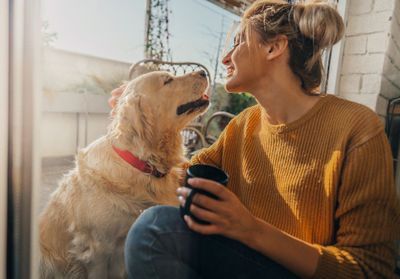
137	163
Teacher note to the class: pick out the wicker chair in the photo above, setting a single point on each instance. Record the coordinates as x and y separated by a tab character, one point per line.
223	119
177	68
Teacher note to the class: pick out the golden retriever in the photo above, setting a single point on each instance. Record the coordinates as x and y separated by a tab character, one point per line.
84	225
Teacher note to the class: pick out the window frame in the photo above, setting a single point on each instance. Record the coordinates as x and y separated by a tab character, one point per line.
23	121
334	56
4	52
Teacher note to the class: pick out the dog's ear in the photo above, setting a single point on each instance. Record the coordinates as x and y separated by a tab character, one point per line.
140	116
133	120
116	98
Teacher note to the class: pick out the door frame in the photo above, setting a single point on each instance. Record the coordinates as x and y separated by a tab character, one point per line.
4	76
24	95
334	57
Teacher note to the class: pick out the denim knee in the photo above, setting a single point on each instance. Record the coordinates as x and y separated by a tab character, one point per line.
145	225
154	220
144	233
157	219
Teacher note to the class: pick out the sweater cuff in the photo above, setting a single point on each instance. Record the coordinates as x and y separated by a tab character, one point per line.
327	266
334	262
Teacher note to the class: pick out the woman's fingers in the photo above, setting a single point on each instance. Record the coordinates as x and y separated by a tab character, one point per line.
203	229
118	91
204	214
112	102
210	186
183	191
200	200
207	203
115	94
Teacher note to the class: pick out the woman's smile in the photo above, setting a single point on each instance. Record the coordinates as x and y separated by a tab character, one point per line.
230	71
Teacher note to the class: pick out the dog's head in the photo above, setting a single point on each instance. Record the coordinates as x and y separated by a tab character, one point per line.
159	102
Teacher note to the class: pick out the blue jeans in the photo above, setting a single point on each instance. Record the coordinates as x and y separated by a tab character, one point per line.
160	245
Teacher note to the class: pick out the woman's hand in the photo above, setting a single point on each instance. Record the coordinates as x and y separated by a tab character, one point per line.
115	94
227	216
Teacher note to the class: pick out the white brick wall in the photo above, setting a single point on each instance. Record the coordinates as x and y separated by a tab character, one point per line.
350	83
371	84
381	105
395	29
358	7
363	64
389	89
356	45
391	71
368	100
393	52
392	62
383	5
370	72
378	42
369	23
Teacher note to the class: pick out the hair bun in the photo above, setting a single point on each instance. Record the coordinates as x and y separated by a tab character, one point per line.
320	22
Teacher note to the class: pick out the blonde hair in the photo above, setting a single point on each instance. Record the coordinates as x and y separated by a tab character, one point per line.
309	26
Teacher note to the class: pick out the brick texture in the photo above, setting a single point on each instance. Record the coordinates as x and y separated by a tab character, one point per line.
370	72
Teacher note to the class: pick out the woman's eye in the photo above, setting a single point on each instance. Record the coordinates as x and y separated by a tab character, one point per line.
168	81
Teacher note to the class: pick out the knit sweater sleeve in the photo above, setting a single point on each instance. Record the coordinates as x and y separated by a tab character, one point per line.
213	155
367	216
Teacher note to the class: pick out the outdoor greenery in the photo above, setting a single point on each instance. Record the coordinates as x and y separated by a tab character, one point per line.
221	100
238	102
48	37
231	102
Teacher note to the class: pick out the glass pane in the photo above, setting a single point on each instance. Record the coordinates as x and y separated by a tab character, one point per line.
4	76
88	48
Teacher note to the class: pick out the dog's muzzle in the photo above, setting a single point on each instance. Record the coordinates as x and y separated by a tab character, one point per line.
192	106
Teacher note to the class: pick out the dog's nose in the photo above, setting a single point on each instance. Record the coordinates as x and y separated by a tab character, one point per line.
203	73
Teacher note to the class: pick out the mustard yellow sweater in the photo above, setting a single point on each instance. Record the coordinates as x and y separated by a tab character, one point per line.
326	178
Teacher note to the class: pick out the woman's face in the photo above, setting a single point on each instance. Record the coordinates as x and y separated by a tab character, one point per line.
243	65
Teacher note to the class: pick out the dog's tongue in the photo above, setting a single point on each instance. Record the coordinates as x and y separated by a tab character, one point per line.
206	94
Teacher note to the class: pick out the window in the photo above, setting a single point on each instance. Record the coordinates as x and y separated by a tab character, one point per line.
393	131
4	114
333	57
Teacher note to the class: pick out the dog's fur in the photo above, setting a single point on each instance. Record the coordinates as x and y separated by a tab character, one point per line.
84	225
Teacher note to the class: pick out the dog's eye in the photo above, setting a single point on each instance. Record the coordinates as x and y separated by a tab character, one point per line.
169	80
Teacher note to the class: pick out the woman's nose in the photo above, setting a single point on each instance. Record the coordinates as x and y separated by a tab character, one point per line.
227	58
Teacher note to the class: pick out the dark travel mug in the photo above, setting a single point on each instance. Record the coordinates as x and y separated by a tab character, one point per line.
206	172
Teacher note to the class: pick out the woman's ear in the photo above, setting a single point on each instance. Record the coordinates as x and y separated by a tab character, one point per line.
276	47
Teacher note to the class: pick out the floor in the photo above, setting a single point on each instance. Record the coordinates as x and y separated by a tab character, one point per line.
53	170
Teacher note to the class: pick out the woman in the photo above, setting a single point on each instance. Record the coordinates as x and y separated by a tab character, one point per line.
311	190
